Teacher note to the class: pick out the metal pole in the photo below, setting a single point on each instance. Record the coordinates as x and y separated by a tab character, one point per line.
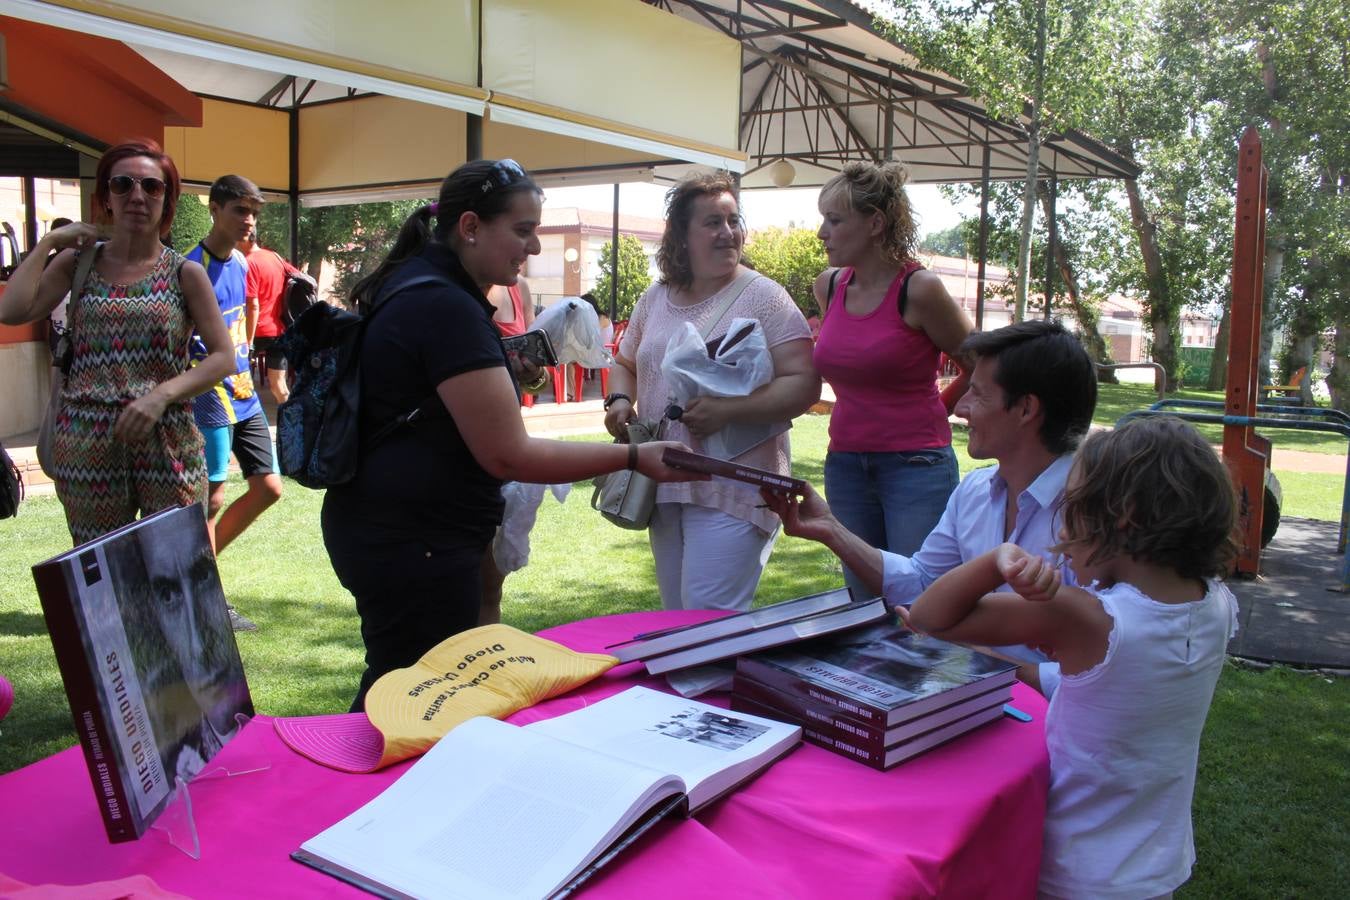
1053	229
473	137
984	242
293	188
614	260
30	235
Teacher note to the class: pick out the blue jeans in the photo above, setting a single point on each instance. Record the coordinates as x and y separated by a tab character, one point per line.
890	500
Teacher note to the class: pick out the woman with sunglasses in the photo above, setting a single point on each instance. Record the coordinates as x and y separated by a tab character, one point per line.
124	441
407	535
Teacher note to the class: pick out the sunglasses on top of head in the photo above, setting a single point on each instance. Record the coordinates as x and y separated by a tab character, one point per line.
153	187
504	173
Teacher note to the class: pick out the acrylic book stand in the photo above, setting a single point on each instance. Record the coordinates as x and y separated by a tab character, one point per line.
176	821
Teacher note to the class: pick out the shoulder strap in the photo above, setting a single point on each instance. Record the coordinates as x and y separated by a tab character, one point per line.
904	290
829	291
734	291
82	268
432	407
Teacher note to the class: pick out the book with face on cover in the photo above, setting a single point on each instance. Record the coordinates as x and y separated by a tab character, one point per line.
142	636
495	810
883	675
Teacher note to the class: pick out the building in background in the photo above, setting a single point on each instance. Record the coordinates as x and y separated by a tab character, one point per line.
571	239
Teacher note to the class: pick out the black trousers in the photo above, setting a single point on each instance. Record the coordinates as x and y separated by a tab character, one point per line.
411	593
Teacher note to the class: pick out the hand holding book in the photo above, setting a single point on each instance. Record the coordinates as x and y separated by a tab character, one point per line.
767	481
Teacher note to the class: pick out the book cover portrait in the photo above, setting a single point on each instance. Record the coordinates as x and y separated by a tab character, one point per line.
140	629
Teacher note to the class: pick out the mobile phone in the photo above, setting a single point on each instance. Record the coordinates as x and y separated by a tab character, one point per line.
533	346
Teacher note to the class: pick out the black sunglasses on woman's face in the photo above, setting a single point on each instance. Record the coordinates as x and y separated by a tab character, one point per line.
122	184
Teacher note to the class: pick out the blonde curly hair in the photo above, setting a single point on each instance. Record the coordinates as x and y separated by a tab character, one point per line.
867	188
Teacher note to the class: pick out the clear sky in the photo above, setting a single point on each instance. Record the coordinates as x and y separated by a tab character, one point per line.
783	207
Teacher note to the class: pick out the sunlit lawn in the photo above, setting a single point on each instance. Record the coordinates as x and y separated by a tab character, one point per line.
1273	802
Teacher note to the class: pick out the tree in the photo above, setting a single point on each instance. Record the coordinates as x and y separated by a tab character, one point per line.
1050	60
634	276
791	257
949	242
354	239
191	222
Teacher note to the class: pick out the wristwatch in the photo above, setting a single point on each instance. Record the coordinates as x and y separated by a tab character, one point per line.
615	398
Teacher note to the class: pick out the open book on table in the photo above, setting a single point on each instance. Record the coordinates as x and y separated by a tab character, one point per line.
499	811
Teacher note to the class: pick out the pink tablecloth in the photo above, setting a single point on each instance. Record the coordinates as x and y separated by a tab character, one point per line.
963	820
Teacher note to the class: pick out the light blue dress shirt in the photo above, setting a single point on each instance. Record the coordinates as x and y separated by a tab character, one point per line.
973	524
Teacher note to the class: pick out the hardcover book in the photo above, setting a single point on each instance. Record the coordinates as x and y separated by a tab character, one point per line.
499	811
881	676
844	618
711	465
644	646
143	640
877	758
823	717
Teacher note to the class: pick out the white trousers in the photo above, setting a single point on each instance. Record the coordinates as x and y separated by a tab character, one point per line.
706	559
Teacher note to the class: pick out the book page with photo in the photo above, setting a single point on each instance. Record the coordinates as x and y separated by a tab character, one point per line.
499	811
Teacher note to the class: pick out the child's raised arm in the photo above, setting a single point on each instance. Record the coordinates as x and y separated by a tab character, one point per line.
960	606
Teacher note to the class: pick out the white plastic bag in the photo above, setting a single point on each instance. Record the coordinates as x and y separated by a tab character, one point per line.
573	327
511	545
740	364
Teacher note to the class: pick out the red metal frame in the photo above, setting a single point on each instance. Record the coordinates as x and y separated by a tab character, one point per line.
1246	452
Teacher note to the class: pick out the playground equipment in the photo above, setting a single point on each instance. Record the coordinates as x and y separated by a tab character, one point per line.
1246	452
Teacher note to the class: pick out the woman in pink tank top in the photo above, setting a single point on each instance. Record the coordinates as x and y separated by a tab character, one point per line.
885	322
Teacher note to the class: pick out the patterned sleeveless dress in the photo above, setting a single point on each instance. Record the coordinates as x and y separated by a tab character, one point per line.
128	339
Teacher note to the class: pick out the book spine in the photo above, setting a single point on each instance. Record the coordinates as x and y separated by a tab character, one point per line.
91	724
872	757
787	683
829	719
810	714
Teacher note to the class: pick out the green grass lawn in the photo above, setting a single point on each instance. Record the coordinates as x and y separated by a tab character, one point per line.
1271	808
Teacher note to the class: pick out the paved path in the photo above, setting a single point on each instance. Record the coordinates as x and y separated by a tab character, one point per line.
1290	613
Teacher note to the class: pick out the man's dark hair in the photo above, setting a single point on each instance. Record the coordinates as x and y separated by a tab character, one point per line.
234	187
1042	359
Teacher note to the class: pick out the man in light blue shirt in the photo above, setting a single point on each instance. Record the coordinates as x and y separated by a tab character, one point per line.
1031	398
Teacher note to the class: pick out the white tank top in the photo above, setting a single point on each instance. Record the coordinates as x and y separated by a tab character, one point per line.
1123	740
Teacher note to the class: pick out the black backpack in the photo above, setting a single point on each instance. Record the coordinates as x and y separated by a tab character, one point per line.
318	427
300	293
11	486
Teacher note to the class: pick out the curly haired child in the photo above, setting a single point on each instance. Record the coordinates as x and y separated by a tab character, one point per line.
1148	525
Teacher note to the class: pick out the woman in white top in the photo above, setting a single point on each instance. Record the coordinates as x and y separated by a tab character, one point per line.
710	539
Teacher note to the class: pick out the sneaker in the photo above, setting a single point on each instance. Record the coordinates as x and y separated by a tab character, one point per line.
238	621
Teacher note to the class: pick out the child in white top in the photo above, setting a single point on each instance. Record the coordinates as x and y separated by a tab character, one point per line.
1149	521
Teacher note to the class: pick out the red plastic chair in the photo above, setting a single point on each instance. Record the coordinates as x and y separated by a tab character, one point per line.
953	392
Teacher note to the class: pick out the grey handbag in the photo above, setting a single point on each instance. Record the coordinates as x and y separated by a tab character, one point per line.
627	498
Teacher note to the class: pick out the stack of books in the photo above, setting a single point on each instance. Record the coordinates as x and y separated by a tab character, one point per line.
782	623
879	695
